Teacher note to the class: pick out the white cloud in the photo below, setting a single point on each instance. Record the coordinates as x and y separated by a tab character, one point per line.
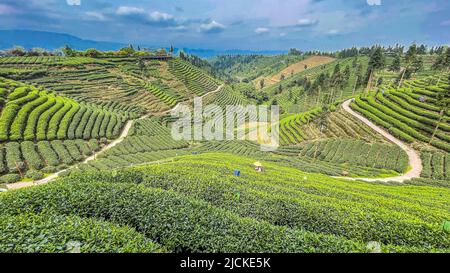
333	32
212	27
160	16
73	2
374	2
95	15
306	22
124	10
261	30
153	18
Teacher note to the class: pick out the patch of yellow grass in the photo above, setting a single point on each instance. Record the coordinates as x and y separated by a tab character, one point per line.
294	69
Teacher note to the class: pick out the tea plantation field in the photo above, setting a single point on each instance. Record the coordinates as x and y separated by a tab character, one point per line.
175	203
88	162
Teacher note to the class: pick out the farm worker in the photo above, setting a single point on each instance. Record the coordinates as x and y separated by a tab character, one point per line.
258	166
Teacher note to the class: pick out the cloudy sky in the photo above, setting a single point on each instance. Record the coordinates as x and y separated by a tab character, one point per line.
237	24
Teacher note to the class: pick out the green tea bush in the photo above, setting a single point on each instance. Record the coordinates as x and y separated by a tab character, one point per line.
18	93
41	233
84	147
14	157
6	119
95	130
3	167
87	133
64	125
286	205
49	156
35	175
63	155
83	122
71	134
177	222
56	120
44	119
31	156
10	178
49	169
73	150
19	125
33	118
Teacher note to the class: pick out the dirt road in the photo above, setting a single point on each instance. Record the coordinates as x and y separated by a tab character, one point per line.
415	162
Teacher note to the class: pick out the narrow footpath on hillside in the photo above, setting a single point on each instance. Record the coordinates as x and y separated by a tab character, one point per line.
115	142
415	163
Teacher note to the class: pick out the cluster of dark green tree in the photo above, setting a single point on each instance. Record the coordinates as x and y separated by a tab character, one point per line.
443	59
251	93
338	79
19	51
386	50
129	51
297	52
223	62
407	64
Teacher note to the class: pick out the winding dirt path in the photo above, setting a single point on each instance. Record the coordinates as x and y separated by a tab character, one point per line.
118	140
415	162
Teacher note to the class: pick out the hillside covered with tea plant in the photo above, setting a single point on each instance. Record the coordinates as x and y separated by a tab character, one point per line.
88	162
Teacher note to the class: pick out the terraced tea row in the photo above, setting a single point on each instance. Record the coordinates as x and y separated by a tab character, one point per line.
280	209
124	78
338	124
89	84
296	158
51	61
134	85
290	127
298	208
166	98
410	113
226	96
436	166
357	152
32	160
110	162
34	114
148	140
195	79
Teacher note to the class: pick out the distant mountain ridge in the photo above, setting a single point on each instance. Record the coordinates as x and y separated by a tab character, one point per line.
206	53
52	40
